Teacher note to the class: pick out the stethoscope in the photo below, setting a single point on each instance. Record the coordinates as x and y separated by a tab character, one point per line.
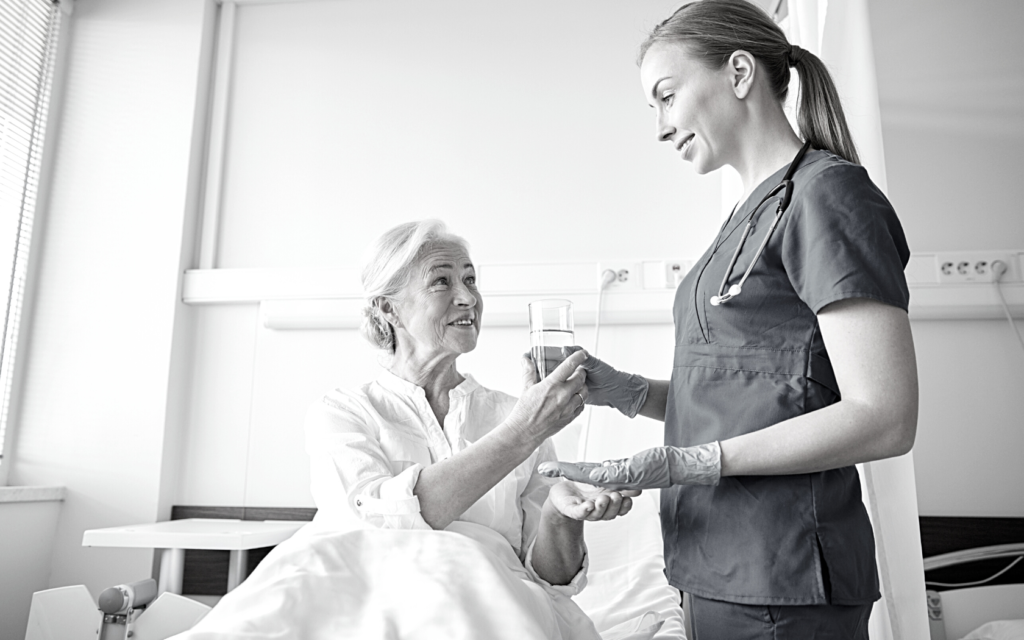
786	187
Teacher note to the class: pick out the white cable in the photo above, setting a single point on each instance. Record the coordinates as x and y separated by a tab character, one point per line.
999	268
607	277
978	582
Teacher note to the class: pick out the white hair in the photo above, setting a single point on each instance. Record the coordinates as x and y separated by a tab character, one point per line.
387	265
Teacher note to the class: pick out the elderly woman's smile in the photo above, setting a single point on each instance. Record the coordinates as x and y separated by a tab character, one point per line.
439	309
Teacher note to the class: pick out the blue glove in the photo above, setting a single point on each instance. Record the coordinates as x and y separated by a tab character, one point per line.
609	387
655	468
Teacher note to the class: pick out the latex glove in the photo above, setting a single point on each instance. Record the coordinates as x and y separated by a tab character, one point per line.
610	387
655	468
585	502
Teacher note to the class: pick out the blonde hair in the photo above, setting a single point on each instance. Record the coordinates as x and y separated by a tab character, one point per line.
387	266
714	29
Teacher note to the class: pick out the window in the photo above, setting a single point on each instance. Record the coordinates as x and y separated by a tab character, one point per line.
28	47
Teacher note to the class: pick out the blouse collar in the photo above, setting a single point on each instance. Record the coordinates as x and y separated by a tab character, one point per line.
403	387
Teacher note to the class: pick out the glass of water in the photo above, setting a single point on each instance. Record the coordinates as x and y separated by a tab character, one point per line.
551	328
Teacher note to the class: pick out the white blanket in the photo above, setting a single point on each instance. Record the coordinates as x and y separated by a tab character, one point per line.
392	584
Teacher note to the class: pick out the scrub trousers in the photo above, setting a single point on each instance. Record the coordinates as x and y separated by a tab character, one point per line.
717	620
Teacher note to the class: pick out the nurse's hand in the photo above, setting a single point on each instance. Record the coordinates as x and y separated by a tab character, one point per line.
610	387
586	502
655	468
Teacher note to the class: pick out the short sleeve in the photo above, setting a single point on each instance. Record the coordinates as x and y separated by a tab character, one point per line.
843	240
351	477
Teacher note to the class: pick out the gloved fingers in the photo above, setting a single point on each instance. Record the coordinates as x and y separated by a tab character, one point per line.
629	474
575	471
613	475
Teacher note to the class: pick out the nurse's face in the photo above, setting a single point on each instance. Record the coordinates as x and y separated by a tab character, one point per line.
695	106
439	310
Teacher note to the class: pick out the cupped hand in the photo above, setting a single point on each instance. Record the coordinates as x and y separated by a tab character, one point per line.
586	502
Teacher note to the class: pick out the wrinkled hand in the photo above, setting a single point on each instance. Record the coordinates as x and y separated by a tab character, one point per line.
586	502
548	405
610	387
655	468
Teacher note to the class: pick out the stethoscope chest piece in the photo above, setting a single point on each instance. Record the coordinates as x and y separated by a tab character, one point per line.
734	291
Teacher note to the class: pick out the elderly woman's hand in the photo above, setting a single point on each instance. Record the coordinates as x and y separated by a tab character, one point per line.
549	404
579	501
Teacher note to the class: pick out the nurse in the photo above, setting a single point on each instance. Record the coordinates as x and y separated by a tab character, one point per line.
793	360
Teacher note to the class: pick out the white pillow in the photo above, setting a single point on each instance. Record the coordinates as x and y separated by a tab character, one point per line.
998	630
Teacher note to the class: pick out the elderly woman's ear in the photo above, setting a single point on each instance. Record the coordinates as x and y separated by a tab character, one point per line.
387	311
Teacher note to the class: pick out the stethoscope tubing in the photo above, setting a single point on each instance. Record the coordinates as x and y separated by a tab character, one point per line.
786	186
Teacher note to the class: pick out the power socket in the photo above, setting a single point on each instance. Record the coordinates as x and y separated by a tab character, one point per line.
675	271
974	267
627	275
665	274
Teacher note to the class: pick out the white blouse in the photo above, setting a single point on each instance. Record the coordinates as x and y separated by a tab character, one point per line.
367	447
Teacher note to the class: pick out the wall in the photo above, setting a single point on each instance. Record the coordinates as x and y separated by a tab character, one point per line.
98	367
953	121
26	545
400	159
346	118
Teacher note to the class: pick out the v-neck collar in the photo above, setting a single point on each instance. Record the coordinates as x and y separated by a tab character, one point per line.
741	212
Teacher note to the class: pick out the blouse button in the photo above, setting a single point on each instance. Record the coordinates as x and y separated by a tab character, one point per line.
359	503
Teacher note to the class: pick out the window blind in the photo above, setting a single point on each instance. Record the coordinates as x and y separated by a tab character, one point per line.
28	47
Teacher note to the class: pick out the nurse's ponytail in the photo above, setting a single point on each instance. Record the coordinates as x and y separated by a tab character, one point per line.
819	111
714	29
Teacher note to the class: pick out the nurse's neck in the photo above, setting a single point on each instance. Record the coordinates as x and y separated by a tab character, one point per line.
767	144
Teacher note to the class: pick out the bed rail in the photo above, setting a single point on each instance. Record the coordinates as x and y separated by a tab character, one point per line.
974	555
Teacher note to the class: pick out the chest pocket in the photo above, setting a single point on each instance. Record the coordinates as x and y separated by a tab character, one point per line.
404	449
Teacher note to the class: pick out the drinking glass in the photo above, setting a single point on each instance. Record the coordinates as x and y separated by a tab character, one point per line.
551	328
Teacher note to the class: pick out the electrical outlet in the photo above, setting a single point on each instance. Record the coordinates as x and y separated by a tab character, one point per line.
627	275
967	267
665	274
675	271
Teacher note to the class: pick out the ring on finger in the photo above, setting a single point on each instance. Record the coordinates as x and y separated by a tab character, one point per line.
582	401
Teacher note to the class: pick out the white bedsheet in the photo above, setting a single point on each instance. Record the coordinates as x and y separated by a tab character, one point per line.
439	584
627	575
998	630
391	584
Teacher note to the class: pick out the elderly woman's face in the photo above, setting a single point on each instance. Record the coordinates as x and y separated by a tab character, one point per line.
439	310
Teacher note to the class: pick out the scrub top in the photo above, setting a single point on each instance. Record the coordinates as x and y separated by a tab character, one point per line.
759	359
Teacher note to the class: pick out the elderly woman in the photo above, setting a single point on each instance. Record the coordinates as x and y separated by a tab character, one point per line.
426	448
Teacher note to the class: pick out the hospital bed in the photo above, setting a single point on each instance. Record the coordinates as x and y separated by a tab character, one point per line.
627	594
974	593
